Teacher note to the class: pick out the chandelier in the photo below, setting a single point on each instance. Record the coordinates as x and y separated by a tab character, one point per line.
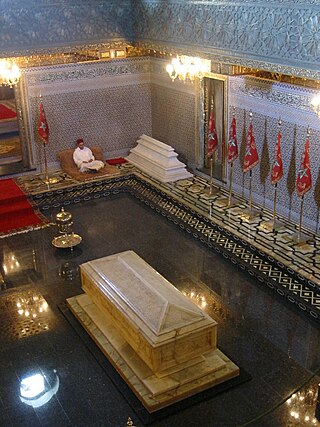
9	73
315	102
187	68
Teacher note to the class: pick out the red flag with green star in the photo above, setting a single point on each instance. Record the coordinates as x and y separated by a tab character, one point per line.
212	141
232	142
304	180
43	129
251	158
277	167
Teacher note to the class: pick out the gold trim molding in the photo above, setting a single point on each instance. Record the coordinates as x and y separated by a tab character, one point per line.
221	64
72	54
224	64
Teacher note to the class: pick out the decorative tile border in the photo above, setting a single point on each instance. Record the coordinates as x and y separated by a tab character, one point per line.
292	273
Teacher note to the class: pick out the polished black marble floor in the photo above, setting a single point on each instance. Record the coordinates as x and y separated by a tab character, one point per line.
290	269
275	343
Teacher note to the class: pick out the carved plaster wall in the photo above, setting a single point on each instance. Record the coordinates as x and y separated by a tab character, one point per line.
28	25
277	35
106	103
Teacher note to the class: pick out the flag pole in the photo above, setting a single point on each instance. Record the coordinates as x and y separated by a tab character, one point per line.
249	213
211	175
45	165
230	185
211	193
274	205
40	158
299	238
43	132
300	222
302	199
46	177
275	190
276	174
232	142
231	167
250	196
211	157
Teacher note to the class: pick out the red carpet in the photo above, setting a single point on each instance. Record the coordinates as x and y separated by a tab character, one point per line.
6	113
15	210
117	161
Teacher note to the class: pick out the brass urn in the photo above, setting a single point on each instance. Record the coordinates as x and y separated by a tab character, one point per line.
64	221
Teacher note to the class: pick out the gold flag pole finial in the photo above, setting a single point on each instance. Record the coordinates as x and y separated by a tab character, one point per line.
308	131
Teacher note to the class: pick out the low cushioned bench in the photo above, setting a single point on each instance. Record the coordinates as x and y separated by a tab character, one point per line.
68	166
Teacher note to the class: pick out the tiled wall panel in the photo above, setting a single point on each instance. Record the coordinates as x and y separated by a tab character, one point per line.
108	104
173	111
112	103
173	120
268	102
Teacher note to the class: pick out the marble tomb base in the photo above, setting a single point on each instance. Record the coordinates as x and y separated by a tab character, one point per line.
158	160
159	341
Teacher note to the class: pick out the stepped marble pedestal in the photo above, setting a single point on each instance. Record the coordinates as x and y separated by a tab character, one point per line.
162	344
158	160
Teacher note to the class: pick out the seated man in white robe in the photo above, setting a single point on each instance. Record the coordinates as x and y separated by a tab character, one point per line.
84	158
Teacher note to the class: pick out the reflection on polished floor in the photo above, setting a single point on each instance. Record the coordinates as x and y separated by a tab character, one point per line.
292	270
51	377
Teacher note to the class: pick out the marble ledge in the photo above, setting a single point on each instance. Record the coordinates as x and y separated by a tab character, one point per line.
251	240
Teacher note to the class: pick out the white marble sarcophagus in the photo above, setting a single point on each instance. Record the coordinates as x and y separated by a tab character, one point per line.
161	343
157	159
